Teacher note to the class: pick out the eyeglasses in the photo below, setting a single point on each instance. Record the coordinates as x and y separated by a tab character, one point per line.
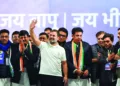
62	35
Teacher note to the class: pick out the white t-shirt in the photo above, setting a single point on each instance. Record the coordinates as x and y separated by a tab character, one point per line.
51	59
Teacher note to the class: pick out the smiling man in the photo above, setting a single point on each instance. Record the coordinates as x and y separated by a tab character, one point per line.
79	59
24	71
96	50
107	62
52	57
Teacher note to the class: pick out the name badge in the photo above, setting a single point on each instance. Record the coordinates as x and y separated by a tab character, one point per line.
1	57
118	64
107	66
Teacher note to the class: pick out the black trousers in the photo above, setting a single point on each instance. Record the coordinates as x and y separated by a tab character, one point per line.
47	80
108	84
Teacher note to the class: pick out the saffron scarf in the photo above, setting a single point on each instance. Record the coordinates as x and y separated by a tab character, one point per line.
29	46
80	63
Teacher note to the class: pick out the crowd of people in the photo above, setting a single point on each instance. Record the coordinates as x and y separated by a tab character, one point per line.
49	60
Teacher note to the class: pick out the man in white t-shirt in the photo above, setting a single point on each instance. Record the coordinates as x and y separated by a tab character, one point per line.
52	57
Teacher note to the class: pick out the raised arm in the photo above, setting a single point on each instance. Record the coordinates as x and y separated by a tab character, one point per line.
32	34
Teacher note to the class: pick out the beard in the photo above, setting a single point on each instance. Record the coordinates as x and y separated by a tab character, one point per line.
53	41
